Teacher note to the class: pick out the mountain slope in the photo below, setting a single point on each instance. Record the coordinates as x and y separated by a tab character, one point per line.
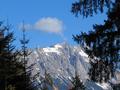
61	61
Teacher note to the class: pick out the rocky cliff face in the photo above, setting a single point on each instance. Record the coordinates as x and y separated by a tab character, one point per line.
62	62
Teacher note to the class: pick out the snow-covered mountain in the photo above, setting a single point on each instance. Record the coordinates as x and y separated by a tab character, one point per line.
62	61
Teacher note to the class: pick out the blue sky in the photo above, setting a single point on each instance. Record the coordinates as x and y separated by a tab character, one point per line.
47	21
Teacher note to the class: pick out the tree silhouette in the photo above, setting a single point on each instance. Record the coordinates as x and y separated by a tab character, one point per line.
11	68
89	7
77	83
103	43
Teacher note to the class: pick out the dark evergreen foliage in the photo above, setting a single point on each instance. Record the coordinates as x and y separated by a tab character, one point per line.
11	68
102	44
116	87
77	84
47	82
89	7
24	57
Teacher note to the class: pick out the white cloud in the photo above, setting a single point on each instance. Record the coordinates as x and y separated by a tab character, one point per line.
48	24
52	25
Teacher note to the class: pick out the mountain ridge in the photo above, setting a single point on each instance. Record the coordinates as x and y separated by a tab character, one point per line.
62	61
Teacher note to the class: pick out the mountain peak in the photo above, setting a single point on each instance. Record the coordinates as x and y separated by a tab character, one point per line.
61	61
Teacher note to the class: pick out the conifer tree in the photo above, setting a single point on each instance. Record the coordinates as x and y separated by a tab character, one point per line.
103	45
77	83
8	59
11	68
116	87
47	82
25	52
90	7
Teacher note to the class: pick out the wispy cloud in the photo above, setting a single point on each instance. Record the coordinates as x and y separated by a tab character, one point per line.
48	24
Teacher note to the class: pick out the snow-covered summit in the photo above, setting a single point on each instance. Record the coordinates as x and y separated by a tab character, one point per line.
62	61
